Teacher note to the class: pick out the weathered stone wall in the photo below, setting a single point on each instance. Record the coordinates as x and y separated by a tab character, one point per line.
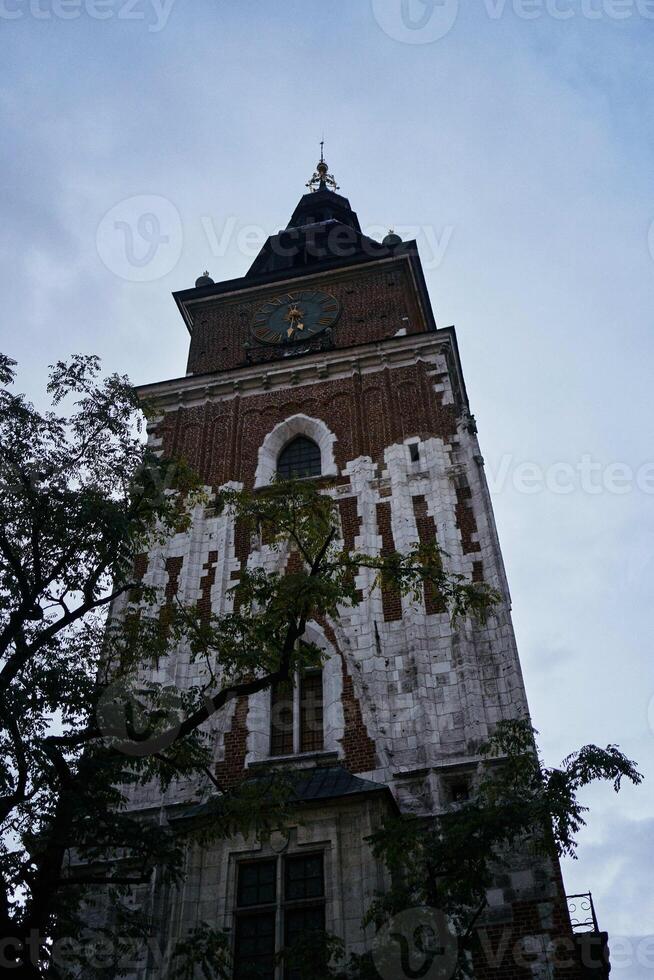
408	695
208	894
417	691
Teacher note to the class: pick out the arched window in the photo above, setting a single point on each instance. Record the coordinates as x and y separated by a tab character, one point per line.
296	715
278	442
300	458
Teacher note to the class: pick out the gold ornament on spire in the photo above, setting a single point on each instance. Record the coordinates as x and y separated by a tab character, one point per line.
322	180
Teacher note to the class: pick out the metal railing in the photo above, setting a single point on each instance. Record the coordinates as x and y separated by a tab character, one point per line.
582	913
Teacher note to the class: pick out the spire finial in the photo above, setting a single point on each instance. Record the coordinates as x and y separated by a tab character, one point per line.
322	180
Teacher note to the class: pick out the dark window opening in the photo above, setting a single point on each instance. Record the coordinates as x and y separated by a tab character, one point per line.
311	725
458	789
414	452
304	878
299	459
256	884
254	957
254	952
281	719
259	914
304	906
292	730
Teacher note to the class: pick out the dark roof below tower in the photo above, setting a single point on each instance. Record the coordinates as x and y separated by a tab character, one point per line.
323	227
333	782
320	784
323	205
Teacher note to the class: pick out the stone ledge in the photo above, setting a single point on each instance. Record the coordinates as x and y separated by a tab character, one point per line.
303	760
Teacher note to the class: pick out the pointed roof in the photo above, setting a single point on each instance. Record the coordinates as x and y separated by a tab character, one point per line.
323	205
323	235
323	228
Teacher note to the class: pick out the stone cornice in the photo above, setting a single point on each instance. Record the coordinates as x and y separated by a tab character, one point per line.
394	352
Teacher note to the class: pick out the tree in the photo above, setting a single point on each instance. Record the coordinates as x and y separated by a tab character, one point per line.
446	863
516	804
81	718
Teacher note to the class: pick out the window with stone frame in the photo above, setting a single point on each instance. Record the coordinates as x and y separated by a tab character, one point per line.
457	788
299	459
296	715
279	903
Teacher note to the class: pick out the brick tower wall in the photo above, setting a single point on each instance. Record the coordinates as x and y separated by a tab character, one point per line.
408	696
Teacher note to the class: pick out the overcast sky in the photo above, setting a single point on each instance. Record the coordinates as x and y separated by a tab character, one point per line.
144	140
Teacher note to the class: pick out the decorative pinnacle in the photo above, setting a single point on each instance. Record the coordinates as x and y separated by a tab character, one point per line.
322	180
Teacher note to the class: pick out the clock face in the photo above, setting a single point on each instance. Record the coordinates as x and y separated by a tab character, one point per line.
296	316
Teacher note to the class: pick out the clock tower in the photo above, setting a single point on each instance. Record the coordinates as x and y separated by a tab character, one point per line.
325	360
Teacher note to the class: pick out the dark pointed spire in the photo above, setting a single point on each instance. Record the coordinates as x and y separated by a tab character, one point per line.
323	228
322	180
